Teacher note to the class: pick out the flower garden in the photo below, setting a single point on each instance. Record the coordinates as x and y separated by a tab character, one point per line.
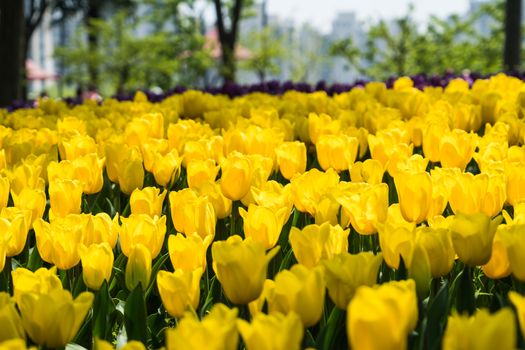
377	218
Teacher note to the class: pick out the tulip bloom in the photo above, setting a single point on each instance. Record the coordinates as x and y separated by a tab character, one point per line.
199	172
53	320
291	158
382	317
414	190
318	242
217	330
65	197
179	290
263	224
145	230
4	191
308	188
237	174
33	200
472	236
514	243
42	281
12	327
101	228
188	252
336	151
166	168
287	331
148	201
97	264
519	303
15	223
138	268
221	205
370	171
240	266
456	148
345	272
481	331
515	173
300	290
58	242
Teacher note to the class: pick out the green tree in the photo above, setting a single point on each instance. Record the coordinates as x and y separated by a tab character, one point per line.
266	50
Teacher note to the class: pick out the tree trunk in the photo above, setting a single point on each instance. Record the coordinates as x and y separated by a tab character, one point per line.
228	38
511	55
11	47
92	13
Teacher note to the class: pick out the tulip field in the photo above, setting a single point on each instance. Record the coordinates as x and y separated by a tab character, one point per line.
378	218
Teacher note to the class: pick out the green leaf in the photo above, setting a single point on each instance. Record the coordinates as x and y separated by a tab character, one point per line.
156	267
436	318
103	306
330	335
35	261
465	297
135	316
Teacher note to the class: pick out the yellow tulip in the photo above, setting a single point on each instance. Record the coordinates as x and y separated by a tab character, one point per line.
318	242
370	171
12	327
42	281
14	344
382	317
414	190
262	224
101	228
515	173
256	306
300	290
221	205
97	264
4	191
192	214
499	265
217	330
15	223
237	174
336	151
88	169
514	242
148	201
365	205
145	230
519	303
199	172
321	124
58	242
286	330
166	168
308	188
131	345
33	200
345	272
291	158
240	266
53	319
275	196
262	168
65	197
76	146
188	252
472	236
437	244
456	148
131	174
179	290
138	268
432	139
481	331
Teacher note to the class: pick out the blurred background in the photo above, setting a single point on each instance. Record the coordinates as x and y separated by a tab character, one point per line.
69	47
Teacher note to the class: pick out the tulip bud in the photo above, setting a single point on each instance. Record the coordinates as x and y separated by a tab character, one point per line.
382	317
472	236
345	272
138	268
241	267
179	290
45	318
236	178
287	331
217	330
9	319
481	331
199	172
97	264
291	158
414	190
262	224
148	201
300	290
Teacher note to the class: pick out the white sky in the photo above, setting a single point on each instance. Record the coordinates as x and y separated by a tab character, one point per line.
320	13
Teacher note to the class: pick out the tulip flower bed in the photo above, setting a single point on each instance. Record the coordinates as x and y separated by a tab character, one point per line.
379	218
